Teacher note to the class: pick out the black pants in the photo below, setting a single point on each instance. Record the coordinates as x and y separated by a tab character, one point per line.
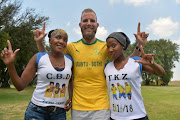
144	118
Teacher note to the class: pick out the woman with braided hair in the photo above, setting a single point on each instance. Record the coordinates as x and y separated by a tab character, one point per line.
52	68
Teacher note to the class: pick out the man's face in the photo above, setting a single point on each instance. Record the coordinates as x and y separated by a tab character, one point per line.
88	25
51	85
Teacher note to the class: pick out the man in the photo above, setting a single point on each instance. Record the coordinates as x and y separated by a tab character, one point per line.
121	90
128	90
49	90
114	89
90	98
56	91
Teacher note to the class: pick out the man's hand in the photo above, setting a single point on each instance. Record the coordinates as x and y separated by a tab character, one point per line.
39	35
141	37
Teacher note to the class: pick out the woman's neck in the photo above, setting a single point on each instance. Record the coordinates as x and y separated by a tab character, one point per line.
55	54
120	62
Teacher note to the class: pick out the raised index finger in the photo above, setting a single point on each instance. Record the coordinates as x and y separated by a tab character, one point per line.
9	45
138	29
44	25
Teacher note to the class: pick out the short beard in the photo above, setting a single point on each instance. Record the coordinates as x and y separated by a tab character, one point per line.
89	36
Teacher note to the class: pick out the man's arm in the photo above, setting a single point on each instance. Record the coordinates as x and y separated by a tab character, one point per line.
141	38
39	35
68	104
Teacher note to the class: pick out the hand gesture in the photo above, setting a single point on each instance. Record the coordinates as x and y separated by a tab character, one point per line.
8	56
147	59
141	37
39	35
68	105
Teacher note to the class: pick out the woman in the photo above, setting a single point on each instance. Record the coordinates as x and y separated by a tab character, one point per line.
53	70
125	74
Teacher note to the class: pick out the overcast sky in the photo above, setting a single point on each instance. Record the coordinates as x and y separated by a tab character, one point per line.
160	18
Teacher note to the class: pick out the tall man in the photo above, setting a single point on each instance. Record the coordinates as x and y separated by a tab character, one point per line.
90	98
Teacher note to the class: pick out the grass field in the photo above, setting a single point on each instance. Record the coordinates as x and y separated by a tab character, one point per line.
161	102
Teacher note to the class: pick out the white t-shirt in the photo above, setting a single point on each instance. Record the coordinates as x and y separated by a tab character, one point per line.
51	88
124	88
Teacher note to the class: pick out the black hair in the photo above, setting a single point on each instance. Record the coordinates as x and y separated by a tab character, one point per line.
51	82
49	34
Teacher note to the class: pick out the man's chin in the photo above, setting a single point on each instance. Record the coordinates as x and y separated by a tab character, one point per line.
88	37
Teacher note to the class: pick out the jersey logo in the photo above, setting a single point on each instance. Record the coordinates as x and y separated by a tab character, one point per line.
96	52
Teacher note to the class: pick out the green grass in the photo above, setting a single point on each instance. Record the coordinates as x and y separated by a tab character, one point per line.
161	102
13	103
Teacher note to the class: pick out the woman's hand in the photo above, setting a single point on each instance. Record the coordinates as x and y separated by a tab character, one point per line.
147	59
68	105
8	56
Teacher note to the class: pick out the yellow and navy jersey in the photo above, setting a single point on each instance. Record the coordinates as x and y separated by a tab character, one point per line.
90	90
128	89
114	89
120	88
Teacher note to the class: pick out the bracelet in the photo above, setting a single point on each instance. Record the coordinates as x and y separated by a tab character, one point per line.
138	49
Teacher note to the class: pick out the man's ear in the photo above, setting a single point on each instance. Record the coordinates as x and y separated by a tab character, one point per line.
97	25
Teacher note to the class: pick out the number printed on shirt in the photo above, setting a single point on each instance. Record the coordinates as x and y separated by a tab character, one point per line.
122	108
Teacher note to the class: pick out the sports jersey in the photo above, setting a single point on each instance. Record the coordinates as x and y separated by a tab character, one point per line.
62	92
120	88
130	107
90	90
48	91
56	93
47	78
128	89
114	89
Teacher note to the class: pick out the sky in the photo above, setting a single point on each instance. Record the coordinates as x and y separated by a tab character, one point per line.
159	18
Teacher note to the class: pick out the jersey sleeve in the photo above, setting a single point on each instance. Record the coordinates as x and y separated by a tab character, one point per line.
137	58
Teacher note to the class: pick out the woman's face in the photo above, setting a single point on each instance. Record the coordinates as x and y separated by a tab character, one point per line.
58	41
114	48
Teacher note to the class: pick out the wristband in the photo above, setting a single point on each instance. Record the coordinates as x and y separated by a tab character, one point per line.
138	49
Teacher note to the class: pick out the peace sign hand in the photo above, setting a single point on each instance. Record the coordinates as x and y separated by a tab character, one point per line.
141	37
147	59
7	55
39	35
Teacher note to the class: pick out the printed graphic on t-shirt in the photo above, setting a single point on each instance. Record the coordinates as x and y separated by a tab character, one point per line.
121	93
55	91
124	92
63	90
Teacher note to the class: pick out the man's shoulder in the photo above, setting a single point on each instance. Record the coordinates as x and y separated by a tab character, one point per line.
74	43
79	41
101	41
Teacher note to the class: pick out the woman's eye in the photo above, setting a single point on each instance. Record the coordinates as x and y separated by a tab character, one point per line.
113	45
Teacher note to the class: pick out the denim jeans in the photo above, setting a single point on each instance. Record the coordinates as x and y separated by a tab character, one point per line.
34	112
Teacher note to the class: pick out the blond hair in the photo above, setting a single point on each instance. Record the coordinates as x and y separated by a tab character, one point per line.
88	10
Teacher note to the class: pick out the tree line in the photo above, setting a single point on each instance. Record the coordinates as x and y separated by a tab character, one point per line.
17	27
166	54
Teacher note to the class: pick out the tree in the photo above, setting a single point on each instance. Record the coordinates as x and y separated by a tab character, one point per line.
166	54
18	29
